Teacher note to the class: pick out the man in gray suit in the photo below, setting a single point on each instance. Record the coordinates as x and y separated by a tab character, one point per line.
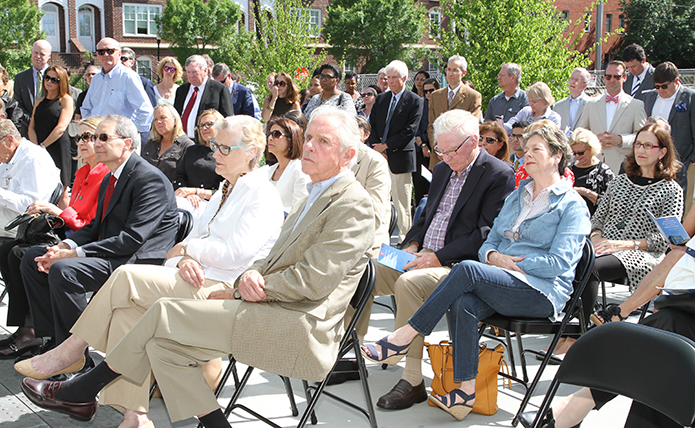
571	108
285	314
641	74
675	103
27	84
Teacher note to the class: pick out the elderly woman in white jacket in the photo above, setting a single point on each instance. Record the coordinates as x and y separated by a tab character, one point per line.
240	225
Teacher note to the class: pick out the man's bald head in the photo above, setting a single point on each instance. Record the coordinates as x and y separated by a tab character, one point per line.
40	54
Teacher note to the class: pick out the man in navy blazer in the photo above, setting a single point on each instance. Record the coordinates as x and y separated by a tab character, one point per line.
242	98
467	193
214	95
674	102
136	222
395	120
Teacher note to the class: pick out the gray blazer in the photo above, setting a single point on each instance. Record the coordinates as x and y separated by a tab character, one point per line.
647	83
681	118
562	108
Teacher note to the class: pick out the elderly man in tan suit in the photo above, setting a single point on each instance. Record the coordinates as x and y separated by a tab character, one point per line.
455	96
284	314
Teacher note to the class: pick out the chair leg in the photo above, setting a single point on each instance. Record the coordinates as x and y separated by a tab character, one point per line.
603	294
522	355
290	395
510	350
545	406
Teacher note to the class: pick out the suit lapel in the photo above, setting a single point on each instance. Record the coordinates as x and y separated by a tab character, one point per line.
601	103
679	100
121	183
459	98
471	183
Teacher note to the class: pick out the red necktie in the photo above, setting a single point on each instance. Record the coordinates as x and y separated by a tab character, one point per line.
614	99
107	195
187	111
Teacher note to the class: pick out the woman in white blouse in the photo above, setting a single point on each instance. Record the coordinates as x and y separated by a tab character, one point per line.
169	71
285	141
240	225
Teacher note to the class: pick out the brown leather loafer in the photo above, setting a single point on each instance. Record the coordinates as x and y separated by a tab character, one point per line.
402	396
42	393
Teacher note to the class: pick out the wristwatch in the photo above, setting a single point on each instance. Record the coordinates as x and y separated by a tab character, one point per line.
183	250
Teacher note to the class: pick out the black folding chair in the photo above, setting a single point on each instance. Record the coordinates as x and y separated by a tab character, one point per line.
571	321
653	367
314	391
185	225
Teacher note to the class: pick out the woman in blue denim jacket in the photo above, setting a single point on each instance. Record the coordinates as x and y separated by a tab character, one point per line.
526	269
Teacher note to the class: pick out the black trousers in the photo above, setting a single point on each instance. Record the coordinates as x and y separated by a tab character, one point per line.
58	298
641	416
18	306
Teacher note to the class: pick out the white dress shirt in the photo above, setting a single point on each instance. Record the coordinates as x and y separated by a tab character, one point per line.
194	111
292	183
612	107
662	106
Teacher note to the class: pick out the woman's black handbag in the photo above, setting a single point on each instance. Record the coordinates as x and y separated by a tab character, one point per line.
37	229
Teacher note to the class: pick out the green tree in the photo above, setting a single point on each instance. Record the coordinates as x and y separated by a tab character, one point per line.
374	32
19	29
198	26
489	33
664	28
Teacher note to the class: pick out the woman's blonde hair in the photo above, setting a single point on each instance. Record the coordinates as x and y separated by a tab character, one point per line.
586	137
540	91
177	66
178	126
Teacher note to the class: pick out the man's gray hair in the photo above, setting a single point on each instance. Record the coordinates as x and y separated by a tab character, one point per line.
129	52
659	121
7	128
347	132
197	59
584	72
514	69
399	67
462	60
220	69
460	120
125	128
382	71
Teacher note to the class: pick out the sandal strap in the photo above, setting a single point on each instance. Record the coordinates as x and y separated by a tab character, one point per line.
451	397
385	344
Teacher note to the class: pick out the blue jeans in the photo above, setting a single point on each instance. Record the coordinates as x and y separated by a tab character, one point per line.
472	292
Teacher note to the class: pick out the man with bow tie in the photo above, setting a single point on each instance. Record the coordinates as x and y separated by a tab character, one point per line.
615	117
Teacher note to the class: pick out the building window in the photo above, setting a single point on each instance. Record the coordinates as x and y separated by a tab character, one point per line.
432	67
435	23
565	15
140	19
312	18
609	22
621	21
144	66
587	23
349	67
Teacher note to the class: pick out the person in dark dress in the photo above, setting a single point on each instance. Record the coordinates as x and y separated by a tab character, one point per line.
591	176
167	141
50	119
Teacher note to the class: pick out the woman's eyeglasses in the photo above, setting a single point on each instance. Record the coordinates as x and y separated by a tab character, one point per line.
280	83
579	153
48	78
86	137
224	150
276	134
206	125
169	69
489	140
645	146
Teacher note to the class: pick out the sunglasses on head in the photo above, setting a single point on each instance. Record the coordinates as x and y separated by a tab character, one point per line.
169	69
48	78
280	83
108	51
276	134
86	137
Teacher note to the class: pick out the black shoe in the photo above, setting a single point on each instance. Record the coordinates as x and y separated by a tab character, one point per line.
345	370
46	346
13	350
526	419
403	396
553	361
88	365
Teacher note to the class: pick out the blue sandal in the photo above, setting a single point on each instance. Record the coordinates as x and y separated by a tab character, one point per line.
385	345
460	410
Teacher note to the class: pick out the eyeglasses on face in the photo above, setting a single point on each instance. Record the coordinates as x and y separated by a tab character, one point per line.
276	134
428	91
224	150
366	94
206	125
169	69
125	58
452	152
580	153
613	76
645	146
326	76
48	78
662	86
489	140
280	83
86	137
108	51
516	136
104	137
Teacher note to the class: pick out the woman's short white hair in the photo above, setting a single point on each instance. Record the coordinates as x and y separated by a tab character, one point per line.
348	131
249	133
399	67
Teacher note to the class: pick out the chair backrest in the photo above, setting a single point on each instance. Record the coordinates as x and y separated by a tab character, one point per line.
653	367
581	276
362	293
185	225
57	193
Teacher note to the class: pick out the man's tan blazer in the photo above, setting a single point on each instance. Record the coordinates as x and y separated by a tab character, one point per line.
310	276
466	98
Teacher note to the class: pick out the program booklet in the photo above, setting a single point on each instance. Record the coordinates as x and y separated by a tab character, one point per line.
394	258
671	229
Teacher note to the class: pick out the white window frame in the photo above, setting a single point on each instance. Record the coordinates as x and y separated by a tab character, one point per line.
144	61
150	21
314	18
435	12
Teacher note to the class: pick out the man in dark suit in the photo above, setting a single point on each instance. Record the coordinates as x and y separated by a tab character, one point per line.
199	94
27	84
467	192
395	120
242	99
675	103
136	222
641	74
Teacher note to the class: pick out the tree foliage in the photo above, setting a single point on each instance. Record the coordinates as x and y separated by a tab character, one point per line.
19	29
198	26
666	29
374	32
489	33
